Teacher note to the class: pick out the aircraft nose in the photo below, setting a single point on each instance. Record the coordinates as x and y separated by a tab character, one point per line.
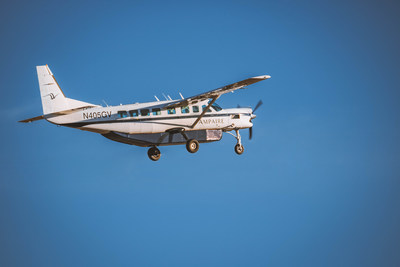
253	116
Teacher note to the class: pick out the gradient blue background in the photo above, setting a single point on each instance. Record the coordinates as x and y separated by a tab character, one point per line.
317	186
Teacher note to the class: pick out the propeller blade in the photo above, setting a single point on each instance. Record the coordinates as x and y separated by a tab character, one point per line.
258	105
250	133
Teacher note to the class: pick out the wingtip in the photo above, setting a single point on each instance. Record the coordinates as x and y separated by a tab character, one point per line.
263	77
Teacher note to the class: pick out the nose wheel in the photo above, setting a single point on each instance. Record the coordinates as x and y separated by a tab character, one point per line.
154	153
239	149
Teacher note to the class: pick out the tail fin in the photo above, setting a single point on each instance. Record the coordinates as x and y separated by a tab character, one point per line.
53	98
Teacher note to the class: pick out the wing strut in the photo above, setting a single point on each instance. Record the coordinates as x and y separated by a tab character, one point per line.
204	111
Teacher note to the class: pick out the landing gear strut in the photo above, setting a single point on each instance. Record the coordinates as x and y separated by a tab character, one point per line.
239	149
192	145
154	153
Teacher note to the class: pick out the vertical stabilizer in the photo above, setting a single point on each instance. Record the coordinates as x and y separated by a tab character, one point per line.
53	98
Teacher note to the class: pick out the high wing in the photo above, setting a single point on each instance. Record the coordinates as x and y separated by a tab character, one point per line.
214	94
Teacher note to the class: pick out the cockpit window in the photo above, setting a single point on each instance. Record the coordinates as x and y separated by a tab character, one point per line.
216	107
171	111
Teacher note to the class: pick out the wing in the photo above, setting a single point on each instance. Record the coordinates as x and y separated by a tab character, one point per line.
214	94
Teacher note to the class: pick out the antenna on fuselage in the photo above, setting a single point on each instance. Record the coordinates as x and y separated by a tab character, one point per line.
169	97
157	98
105	102
181	95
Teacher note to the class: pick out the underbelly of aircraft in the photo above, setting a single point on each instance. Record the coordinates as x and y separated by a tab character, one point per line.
165	139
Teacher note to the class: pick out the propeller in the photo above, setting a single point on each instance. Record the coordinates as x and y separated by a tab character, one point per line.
258	105
254	110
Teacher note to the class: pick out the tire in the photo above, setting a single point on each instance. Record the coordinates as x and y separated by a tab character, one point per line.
239	149
154	153
192	145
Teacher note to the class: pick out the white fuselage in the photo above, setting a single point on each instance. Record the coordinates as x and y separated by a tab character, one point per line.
150	117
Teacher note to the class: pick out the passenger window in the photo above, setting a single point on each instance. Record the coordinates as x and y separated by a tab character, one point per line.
204	107
195	109
237	116
122	114
156	111
171	111
133	113
185	110
144	112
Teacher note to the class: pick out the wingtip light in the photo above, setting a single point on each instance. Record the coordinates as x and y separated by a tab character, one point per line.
263	77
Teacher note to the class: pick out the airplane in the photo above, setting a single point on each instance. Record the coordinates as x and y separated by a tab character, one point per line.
191	121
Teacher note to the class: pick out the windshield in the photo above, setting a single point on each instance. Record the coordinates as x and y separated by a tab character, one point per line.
216	107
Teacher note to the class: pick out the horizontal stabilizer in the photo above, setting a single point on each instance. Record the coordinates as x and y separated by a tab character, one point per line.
33	119
55	114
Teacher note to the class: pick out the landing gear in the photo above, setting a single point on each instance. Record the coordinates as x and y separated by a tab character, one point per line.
154	153
192	145
239	149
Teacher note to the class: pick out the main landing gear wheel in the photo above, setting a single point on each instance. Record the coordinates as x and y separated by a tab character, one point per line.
239	149
192	145
154	153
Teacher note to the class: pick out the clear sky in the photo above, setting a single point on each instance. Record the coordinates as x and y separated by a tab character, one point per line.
317	186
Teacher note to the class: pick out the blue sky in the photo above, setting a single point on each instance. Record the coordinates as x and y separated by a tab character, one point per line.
317	186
